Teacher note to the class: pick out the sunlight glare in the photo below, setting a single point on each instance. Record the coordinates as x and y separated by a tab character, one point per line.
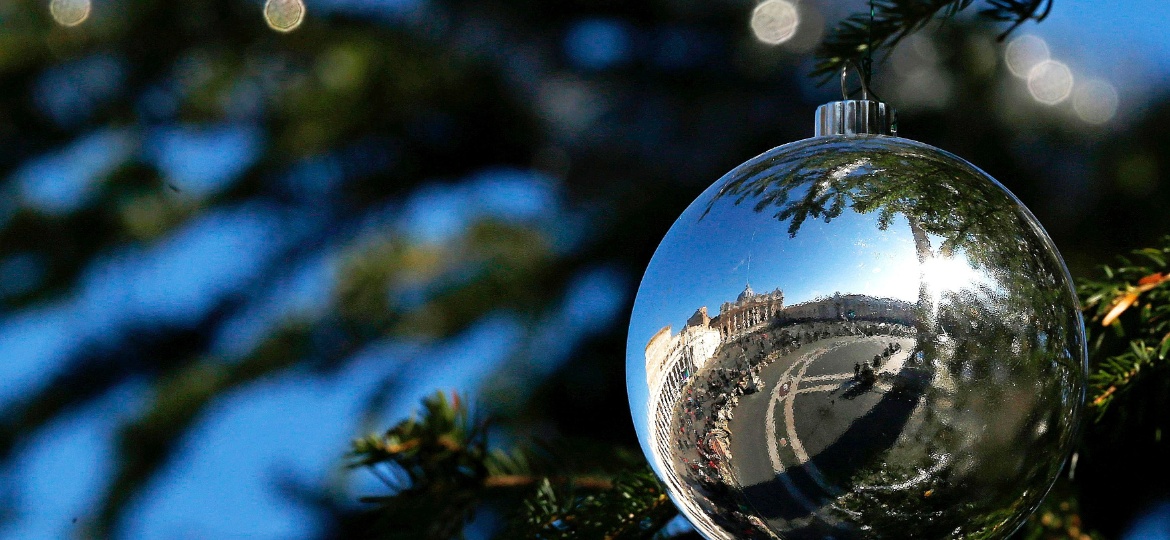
950	274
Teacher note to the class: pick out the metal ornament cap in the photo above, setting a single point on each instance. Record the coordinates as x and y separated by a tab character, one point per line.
855	117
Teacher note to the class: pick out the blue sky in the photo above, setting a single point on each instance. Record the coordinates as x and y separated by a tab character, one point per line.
298	424
1106	36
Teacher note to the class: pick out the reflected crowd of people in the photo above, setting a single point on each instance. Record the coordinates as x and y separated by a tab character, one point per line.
702	448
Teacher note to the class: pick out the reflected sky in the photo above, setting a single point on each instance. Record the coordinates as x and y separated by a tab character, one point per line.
1152	524
741	247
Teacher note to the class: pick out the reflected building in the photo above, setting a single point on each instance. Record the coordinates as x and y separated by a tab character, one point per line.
670	360
749	311
848	307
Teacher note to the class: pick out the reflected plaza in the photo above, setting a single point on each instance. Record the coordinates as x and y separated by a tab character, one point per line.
716	382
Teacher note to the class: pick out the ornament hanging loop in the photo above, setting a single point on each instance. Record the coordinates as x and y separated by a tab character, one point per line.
866	93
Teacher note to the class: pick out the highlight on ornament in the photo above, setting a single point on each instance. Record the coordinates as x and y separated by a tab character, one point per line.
70	12
854	336
284	15
775	21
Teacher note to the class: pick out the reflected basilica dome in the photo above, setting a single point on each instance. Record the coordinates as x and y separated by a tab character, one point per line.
915	367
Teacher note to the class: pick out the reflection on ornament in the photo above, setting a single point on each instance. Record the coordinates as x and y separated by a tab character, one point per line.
913	365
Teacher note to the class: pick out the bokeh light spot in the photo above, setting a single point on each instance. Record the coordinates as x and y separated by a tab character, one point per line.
1137	174
598	43
69	12
284	15
809	30
1095	101
1050	82
1025	53
775	21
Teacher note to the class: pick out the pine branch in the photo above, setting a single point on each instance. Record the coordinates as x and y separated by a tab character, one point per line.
1058	517
439	472
1132	305
434	465
1016	11
635	508
859	35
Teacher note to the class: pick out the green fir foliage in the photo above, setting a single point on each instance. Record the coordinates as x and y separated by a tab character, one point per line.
634	507
890	21
1128	315
439	473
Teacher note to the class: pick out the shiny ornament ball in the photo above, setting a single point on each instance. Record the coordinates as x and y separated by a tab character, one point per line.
856	336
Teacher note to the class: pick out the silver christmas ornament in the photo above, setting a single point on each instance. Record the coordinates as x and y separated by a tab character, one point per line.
856	335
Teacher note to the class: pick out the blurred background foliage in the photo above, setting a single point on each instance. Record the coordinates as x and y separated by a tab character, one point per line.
229	247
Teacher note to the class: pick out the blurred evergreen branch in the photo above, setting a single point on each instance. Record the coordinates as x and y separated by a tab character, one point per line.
635	506
1129	310
890	21
440	472
1058	518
